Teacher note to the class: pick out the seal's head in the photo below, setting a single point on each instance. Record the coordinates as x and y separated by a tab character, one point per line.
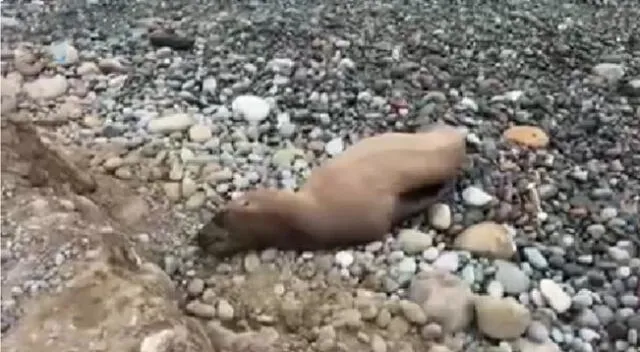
255	220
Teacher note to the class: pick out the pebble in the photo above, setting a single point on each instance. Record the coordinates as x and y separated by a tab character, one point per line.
487	239
440	216
528	136
537	332
476	197
501	318
225	310
512	278
201	310
196	286
612	72
200	133
46	87
170	123
334	147
448	261
344	259
535	258
252	108
413	312
555	296
413	241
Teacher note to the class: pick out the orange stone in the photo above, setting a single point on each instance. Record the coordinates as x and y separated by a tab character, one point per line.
530	136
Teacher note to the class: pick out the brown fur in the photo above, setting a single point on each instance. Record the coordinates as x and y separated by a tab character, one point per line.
354	198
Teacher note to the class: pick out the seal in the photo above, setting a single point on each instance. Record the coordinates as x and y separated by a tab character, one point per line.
354	198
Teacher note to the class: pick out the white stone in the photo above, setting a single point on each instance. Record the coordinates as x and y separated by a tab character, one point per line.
612	72
199	133
250	107
334	147
209	85
555	296
344	259
170	123
448	261
476	197
440	216
46	87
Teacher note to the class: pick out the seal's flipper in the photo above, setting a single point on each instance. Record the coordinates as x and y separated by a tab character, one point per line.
417	201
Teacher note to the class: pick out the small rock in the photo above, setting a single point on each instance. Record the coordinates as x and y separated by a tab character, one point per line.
64	53
610	71
413	241
535	258
326	339
209	85
195	287
161	341
512	278
431	331
225	310
440	216
200	133
555	296
251	262
476	197
501	318
349	318
334	147
344	259
444	298
170	123
447	261
201	310
46	87
250	107
487	238
378	344
413	312
528	136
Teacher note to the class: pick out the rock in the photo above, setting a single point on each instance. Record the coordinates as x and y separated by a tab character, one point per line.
326	339
46	87
512	278
172	190
431	331
555	296
535	258
610	71
349	318
195	201
398	327
251	262
201	310
378	344
162	38
291	311
250	107
476	197
209	85
26	61
444	298
501	318
170	123
413	312
334	147
160	341
447	261
440	216
195	287
344	259
88	68
487	238
528	136
412	241
111	65
495	289
439	348
64	53
225	310
524	345
200	133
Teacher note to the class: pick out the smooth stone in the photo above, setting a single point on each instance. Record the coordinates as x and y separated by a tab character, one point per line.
535	258
512	278
487	239
447	261
46	87
440	216
252	108
501	318
555	296
476	197
200	133
413	241
334	147
170	123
